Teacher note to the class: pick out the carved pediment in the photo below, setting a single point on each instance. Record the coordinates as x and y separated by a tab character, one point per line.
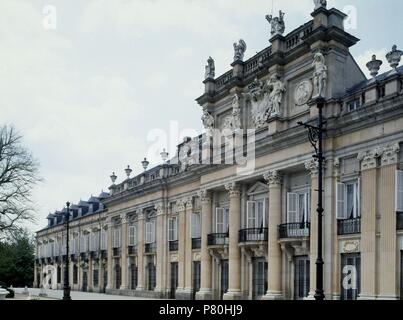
257	188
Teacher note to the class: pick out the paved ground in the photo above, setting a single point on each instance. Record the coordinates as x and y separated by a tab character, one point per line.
75	295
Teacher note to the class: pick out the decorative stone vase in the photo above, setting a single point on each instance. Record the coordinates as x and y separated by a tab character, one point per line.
394	57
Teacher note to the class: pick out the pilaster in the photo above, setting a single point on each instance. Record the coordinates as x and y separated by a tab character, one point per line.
124	268
274	180
205	292
234	252
140	252
368	224
387	251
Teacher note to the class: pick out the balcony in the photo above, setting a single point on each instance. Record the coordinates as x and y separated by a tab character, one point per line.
217	239
253	235
94	255
399	221
73	257
196	243
116	252
104	254
131	250
294	230
173	246
84	256
349	226
150	247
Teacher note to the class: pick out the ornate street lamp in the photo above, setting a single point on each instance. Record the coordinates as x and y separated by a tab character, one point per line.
315	134
66	288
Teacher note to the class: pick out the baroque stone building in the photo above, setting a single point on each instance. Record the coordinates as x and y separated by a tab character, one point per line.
199	227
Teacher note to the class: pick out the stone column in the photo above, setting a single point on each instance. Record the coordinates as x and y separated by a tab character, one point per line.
140	252
312	167
234	252
123	253
180	292
188	249
368	224
388	252
205	292
275	290
110	258
90	274
161	244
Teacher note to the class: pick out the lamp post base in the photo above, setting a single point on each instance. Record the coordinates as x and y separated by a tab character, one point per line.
66	293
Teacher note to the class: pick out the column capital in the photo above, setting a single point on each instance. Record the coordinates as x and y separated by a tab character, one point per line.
160	209
389	154
273	178
368	159
205	195
233	189
189	203
312	166
181	205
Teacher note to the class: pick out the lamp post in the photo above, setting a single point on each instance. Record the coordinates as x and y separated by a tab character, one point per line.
315	134
66	288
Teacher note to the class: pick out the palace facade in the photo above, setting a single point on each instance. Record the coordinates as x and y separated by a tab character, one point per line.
199	227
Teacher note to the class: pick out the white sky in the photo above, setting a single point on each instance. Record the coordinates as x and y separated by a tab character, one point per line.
86	95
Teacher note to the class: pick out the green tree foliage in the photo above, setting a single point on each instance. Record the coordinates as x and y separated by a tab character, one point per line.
17	260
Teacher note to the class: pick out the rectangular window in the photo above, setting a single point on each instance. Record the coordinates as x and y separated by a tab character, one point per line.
298	207
222	217
173	229
116	237
196	232
95	277
150	232
301	277
399	191
259	279
256	214
348	200
132	236
104	240
353	105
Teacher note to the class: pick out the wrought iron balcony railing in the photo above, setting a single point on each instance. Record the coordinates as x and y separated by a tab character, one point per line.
294	230
173	245
253	235
116	252
399	221
349	226
150	247
217	239
196	243
132	250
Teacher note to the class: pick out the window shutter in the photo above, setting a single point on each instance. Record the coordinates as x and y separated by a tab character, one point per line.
292	207
170	229
341	201
308	206
251	214
260	214
226	220
399	191
153	231
358	197
195	225
219	220
148	232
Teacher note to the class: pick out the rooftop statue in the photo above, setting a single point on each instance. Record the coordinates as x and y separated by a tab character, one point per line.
233	122
210	69
319	75
320	4
277	24
239	50
208	122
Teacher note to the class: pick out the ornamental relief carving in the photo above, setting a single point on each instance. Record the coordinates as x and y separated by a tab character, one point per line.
266	99
303	92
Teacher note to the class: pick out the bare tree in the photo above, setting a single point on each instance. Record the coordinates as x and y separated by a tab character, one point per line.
19	173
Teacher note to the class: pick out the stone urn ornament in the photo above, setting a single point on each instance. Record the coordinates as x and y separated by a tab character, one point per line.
373	66
394	57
